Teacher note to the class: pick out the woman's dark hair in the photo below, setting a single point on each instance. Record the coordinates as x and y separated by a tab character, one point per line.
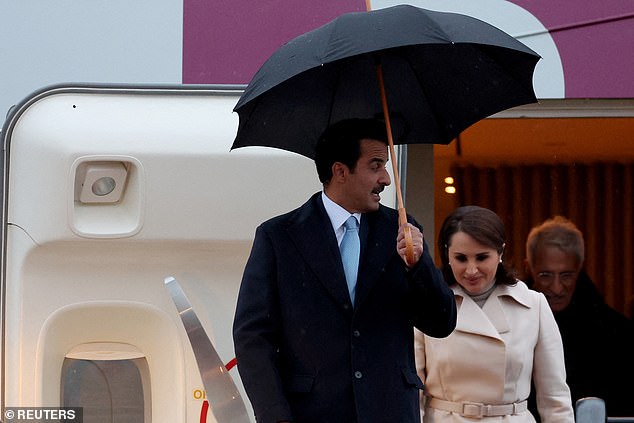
484	226
341	143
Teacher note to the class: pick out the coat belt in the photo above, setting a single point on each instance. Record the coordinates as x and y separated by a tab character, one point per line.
477	409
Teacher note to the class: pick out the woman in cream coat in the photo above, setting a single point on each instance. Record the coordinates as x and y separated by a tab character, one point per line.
506	336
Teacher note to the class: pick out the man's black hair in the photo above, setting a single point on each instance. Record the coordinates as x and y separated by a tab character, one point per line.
340	142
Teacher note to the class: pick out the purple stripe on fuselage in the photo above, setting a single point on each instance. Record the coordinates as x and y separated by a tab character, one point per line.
226	41
595	42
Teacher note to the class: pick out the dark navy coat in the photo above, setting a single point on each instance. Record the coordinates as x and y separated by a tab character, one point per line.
304	353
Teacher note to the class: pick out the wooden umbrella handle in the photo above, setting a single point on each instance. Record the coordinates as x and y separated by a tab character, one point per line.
402	214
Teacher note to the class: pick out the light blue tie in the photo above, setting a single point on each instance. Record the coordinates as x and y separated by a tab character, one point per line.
350	249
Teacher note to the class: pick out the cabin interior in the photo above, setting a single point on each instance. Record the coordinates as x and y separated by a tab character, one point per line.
568	157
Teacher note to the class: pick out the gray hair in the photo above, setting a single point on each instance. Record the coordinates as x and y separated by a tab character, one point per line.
556	232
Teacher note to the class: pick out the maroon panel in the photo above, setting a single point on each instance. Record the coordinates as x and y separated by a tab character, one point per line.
226	41
595	40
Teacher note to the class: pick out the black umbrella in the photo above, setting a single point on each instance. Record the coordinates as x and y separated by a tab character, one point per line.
442	72
438	73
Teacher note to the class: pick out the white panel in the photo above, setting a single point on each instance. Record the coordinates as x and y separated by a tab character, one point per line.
79	273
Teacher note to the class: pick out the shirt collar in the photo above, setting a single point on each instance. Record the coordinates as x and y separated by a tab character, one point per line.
337	214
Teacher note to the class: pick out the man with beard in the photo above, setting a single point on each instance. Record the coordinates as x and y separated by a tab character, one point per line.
316	343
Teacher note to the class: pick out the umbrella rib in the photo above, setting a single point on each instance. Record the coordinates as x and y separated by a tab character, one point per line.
332	97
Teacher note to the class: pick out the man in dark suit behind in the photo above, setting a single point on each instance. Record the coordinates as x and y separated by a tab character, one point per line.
307	352
598	340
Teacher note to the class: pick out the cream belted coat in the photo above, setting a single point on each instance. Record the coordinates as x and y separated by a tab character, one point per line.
493	354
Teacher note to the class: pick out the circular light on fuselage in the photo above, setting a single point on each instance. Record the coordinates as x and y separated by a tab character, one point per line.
103	186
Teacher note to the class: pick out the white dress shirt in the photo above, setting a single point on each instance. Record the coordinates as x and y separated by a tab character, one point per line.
338	216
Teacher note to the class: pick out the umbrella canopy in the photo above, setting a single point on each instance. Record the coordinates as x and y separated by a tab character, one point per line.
442	72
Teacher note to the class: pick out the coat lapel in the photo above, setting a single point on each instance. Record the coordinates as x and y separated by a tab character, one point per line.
378	246
472	318
490	320
316	242
312	235
494	310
